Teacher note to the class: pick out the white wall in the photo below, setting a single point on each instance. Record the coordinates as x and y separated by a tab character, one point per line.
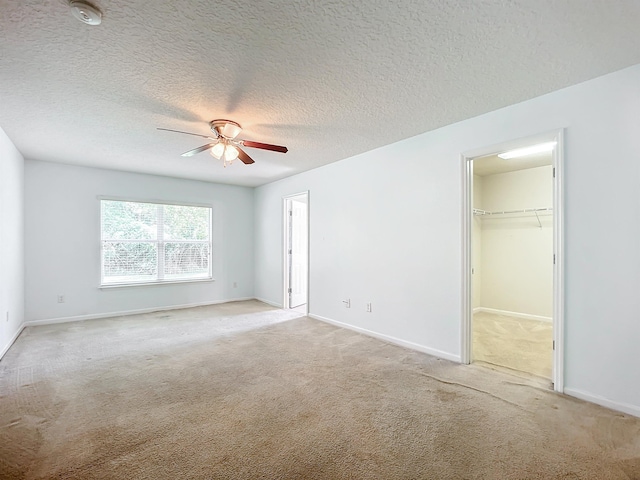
386	228
11	242
516	250
62	229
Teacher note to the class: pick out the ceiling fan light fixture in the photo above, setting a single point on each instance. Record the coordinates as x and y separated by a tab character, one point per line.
230	153
231	130
218	150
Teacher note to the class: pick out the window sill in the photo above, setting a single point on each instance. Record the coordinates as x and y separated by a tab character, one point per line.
147	284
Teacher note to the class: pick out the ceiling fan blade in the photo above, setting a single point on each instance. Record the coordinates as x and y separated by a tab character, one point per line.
203	148
265	146
186	133
244	158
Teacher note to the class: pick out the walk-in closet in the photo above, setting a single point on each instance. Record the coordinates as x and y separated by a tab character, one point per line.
512	264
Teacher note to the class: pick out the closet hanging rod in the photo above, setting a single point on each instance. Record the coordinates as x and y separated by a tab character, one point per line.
480	212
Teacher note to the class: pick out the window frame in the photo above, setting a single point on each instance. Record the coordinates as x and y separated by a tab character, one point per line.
158	242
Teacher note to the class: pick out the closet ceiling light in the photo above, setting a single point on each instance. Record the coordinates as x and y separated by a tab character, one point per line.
533	149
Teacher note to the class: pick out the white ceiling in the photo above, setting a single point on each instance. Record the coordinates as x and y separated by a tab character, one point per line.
329	79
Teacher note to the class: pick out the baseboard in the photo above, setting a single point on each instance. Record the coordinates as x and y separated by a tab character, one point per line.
605	402
527	316
387	338
12	341
273	304
95	316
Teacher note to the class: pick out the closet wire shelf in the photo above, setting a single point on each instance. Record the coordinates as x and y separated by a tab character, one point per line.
537	211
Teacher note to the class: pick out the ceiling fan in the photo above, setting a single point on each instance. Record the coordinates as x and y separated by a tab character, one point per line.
225	146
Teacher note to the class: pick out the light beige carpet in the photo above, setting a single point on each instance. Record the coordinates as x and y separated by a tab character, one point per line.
243	391
515	343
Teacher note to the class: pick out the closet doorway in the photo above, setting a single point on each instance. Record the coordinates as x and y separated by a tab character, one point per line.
512	241
296	252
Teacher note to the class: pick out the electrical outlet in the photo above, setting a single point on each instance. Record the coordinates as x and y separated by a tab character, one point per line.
347	303
369	307
60	298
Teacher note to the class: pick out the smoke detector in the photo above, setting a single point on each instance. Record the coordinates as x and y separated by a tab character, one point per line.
86	12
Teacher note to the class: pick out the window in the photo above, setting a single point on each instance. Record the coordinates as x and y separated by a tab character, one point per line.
154	243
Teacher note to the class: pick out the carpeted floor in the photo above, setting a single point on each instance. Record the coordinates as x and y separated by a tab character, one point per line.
519	344
245	391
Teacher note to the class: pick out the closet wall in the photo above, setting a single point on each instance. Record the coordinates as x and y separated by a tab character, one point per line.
516	251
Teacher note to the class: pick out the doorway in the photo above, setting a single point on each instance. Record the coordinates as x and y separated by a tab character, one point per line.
296	252
512	279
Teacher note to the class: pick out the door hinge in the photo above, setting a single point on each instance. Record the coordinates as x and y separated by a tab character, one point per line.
554	345
554	258
290	251
554	172
290	213
290	291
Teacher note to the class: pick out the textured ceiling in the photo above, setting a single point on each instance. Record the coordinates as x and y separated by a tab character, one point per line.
329	79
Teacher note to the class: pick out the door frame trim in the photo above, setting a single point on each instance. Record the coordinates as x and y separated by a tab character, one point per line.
285	243
558	246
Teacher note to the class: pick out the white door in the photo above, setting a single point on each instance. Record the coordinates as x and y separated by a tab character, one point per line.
298	255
